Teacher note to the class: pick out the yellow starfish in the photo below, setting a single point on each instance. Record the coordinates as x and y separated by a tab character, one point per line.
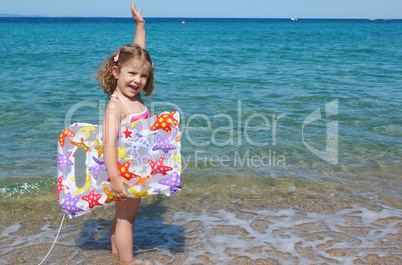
122	153
138	194
177	158
96	142
133	123
87	129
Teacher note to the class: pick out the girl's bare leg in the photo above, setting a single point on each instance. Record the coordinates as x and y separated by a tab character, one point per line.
121	230
112	240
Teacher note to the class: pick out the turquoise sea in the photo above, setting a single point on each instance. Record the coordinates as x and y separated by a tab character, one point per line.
291	145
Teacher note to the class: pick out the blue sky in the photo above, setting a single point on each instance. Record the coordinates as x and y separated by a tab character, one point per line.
209	8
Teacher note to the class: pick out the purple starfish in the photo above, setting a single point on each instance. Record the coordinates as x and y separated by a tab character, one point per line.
164	144
139	140
173	181
63	160
70	204
101	167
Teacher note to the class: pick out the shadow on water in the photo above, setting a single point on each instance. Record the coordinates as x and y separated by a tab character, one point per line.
151	232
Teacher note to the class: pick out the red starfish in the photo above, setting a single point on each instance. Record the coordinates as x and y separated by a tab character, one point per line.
158	167
123	169
92	199
60	187
127	133
66	133
164	121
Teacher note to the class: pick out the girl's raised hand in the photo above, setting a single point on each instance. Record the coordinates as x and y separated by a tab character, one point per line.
136	15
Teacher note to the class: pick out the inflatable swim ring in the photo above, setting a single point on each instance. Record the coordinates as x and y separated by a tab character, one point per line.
148	156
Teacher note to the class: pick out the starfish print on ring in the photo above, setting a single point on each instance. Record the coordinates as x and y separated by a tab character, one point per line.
158	167
164	144
100	167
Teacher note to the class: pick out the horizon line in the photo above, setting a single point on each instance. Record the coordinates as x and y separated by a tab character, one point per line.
42	16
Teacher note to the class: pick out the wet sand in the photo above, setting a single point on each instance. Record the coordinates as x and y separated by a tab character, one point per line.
287	225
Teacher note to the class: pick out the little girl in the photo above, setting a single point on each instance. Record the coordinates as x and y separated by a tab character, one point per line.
123	76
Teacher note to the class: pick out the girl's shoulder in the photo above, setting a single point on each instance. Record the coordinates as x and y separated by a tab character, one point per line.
115	107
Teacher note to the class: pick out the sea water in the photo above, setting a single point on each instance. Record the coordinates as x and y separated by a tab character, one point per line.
289	129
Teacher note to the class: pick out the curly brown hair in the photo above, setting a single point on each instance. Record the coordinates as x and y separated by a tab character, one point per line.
105	75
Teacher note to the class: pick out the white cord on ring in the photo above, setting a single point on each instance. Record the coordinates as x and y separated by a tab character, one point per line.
62	220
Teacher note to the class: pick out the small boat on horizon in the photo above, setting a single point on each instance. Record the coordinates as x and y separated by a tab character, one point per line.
294	19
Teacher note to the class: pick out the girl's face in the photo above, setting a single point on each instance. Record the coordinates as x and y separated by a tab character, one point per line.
131	77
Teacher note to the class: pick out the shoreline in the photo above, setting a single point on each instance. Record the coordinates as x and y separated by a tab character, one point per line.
270	222
244	231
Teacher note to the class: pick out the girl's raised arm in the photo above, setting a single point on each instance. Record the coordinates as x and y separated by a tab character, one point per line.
139	38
